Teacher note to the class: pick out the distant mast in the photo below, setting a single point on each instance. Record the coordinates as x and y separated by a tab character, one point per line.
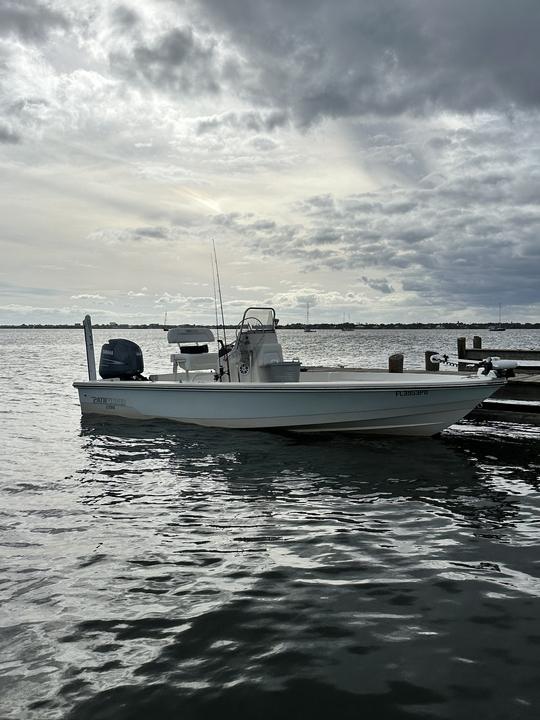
307	328
499	326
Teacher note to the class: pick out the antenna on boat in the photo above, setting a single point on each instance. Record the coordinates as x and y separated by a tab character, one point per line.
221	306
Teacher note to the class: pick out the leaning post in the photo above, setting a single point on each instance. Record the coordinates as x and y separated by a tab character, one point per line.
477	342
89	342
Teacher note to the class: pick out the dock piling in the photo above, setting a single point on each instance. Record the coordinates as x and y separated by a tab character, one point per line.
395	363
461	352
431	366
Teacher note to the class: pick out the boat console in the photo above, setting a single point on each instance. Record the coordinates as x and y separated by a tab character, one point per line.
256	355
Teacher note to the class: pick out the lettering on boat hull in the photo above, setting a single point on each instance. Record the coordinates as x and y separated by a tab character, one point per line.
409	393
108	403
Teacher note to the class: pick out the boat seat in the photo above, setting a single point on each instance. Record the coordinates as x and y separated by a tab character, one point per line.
198	361
180	335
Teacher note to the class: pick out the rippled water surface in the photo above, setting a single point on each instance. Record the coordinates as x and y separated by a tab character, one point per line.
151	570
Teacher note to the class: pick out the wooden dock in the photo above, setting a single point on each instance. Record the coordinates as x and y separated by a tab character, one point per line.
519	400
477	352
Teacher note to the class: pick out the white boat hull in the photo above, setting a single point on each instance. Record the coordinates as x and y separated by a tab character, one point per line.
418	405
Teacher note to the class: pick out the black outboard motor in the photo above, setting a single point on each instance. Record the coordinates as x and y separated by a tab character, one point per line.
121	359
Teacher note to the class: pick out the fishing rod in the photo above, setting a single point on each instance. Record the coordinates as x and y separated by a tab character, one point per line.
221	306
216	312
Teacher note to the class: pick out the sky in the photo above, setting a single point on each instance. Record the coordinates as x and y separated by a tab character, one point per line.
377	159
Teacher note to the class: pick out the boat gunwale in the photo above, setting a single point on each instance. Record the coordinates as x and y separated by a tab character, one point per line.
336	385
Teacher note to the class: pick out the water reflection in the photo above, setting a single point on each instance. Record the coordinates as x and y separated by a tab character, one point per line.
459	475
280	572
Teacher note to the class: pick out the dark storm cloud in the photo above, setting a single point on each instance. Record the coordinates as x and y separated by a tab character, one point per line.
385	57
29	20
177	62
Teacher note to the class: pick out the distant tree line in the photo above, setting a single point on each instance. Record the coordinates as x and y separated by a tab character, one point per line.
290	326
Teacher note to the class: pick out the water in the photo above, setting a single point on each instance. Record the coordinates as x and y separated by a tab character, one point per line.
152	570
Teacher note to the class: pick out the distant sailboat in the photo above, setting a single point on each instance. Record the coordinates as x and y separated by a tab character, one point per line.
499	326
307	327
347	325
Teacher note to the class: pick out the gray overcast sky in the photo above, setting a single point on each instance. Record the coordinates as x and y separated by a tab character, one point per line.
377	158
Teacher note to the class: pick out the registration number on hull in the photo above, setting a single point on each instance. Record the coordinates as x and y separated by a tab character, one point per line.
409	393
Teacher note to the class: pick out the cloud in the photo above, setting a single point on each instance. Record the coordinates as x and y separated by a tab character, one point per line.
469	238
179	61
125	17
252	120
253	288
184	302
299	298
381	286
157	233
29	20
386	147
385	57
9	136
13	290
140	235
88	296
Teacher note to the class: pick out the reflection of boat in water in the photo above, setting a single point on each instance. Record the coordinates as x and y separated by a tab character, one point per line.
261	466
248	384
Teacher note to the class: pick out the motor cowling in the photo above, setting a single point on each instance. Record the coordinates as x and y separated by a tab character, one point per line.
121	359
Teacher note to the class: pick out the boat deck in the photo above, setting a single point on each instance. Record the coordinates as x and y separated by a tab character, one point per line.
518	401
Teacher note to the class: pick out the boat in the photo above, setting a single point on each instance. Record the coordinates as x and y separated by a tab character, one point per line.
307	326
499	327
248	384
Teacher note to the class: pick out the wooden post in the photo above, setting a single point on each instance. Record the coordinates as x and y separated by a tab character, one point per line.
395	363
461	351
477	342
431	366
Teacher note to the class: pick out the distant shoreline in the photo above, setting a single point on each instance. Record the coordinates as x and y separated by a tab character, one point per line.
292	326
